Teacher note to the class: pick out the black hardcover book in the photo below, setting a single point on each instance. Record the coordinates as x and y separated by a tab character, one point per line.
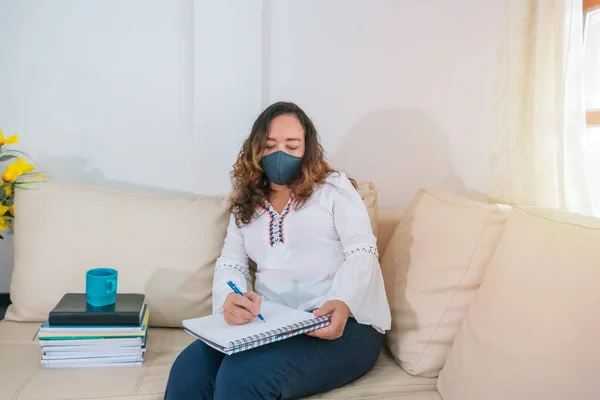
74	310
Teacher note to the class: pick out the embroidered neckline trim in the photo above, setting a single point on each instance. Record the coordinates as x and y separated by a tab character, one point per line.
276	222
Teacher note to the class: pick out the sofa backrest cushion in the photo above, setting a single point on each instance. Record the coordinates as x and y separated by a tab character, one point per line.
165	247
368	193
532	330
432	267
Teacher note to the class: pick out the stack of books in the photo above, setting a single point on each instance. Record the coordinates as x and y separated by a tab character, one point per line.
79	335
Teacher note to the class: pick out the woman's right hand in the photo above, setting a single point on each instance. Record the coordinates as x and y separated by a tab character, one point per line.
240	310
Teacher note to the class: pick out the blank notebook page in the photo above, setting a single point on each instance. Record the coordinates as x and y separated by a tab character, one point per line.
215	329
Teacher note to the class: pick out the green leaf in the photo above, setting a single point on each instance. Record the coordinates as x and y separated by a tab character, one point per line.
22	184
7	157
11	151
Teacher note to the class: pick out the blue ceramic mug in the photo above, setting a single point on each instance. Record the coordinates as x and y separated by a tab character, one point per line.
101	286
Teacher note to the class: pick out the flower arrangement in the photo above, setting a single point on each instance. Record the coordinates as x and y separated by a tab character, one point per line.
18	175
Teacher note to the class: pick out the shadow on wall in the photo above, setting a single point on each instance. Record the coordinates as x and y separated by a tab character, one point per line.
400	151
80	171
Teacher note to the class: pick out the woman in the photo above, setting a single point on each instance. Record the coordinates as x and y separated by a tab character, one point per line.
308	231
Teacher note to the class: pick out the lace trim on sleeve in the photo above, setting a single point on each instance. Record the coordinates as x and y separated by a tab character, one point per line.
243	268
372	250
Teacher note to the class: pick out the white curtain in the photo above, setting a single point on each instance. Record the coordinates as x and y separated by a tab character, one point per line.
538	155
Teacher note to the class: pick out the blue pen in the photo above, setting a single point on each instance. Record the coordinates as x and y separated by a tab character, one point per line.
234	287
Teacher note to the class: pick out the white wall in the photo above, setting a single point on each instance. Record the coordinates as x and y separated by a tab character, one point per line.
99	90
228	84
159	94
399	90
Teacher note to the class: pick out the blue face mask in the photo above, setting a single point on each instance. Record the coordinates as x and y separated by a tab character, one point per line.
281	168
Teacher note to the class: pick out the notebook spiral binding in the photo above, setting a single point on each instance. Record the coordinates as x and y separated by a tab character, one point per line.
275	335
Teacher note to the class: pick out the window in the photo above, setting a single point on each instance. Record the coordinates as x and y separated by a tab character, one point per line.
592	65
592	92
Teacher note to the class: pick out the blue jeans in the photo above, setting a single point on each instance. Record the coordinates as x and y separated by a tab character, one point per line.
292	368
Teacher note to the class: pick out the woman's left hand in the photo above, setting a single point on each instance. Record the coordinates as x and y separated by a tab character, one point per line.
339	312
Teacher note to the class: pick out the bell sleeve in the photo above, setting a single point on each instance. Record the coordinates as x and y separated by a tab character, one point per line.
232	265
359	281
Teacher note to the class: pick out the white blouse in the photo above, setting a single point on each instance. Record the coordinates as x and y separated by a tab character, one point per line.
323	251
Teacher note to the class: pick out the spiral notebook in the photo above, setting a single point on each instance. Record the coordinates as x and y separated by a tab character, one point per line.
281	322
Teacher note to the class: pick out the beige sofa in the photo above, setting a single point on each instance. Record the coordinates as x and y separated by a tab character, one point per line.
488	302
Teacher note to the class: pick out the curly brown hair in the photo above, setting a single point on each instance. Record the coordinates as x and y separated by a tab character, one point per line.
250	185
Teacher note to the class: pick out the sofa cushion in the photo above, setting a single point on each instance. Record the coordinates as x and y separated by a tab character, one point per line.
164	247
386	226
532	331
368	193
432	268
24	379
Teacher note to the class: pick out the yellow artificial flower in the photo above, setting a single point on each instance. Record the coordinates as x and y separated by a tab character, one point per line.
11	173
11	210
5	223
13	139
24	165
8	189
16	169
4	219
